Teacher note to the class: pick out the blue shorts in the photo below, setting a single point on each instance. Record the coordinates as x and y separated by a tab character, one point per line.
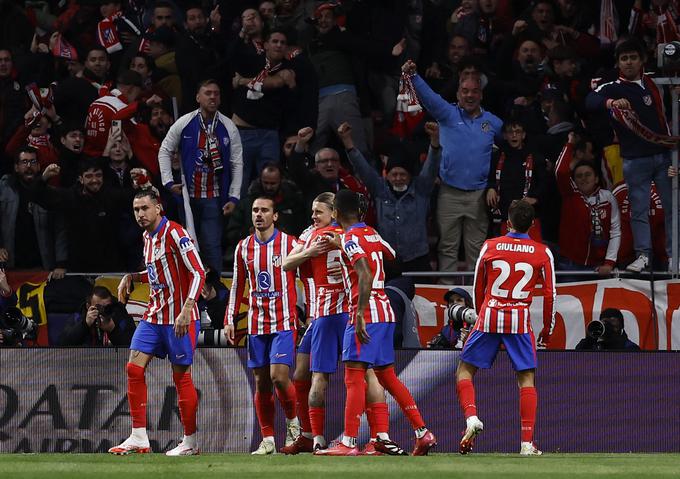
481	348
160	341
327	340
378	352
305	346
275	348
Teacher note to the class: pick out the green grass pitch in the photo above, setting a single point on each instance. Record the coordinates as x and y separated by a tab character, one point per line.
155	466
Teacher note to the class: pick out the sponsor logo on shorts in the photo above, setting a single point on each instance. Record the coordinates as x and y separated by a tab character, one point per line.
280	355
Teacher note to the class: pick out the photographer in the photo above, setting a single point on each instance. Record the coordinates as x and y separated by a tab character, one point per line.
102	322
607	334
460	315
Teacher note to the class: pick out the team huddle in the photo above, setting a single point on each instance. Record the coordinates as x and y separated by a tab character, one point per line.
340	262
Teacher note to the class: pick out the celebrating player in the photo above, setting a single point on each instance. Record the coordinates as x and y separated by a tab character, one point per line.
331	306
507	270
369	337
271	319
170	325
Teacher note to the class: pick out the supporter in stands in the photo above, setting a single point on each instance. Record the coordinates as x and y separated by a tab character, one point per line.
590	228
212	163
74	95
198	54
8	298
607	334
12	99
91	211
287	199
119	104
328	175
165	75
70	152
103	321
443	70
262	95
467	136
35	132
637	117
516	173
30	236
402	198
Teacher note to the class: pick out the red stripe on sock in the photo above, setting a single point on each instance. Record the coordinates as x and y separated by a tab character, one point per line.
302	404
466	397
355	382
389	380
528	400
187	399
264	408
136	394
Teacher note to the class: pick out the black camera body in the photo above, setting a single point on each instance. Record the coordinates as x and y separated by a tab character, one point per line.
105	310
16	327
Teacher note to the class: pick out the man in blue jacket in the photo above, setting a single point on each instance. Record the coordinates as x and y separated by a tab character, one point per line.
211	157
402	200
467	135
645	158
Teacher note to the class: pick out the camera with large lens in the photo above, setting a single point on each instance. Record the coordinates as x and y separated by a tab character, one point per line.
668	57
460	315
212	337
597	329
105	310
16	327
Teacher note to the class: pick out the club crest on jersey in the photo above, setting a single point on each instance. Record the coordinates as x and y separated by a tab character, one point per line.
647	100
185	244
264	280
351	247
486	126
276	260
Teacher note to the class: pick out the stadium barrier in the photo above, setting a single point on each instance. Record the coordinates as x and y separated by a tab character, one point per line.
650	315
74	400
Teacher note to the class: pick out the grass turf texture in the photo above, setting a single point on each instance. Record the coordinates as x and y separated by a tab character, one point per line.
154	466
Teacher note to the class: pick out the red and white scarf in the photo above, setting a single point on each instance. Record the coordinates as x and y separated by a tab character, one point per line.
630	120
107	32
608	23
407	99
255	85
666	29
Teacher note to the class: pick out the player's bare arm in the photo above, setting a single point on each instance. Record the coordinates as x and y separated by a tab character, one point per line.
300	254
125	285
184	319
365	277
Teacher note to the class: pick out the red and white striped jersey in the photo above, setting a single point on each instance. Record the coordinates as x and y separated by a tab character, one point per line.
331	295
100	114
204	182
507	271
273	296
174	272
361	241
305	274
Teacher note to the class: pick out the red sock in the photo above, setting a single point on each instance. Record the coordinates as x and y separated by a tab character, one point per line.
389	380
287	399
355	403
302	406
378	415
264	408
527	412
187	400
466	397
317	416
136	394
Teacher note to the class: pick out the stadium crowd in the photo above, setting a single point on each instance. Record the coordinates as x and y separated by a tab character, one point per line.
217	103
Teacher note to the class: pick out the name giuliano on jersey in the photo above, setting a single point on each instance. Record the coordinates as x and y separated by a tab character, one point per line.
331	295
507	271
361	241
272	295
174	272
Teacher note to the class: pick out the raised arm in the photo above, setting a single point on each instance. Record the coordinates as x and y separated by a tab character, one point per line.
439	108
366	173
